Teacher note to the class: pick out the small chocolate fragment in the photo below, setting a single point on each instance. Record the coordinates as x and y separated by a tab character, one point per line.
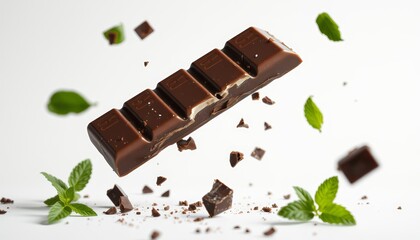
2	212
166	194
160	180
125	204
146	63
274	205
268	101
256	208
357	163
86	196
344	84
364	197
258	153
247	230
147	189
399	208
197	230
155	213
219	199
6	200
267	126
266	209
235	157
111	211
192	207
166	208
188	144
198	204
242	124
270	231
256	96
115	193
198	219
138	213
154	235
286	197
144	30
237	227
183	203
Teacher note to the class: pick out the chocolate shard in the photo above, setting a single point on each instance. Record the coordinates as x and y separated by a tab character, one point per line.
235	157
166	194
188	144
219	199
258	153
183	203
160	180
242	124
198	204
286	197
111	211
125	204
155	213
255	96
2	212
267	126
144	30
4	200
147	189
268	101
187	99
146	63
270	231
154	235
357	163
266	209
115	193
192	207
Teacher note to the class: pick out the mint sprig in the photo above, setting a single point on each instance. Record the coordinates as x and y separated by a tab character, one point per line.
313	114
63	204
304	209
328	27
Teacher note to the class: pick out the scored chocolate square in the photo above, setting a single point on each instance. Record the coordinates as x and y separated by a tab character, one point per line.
144	30
357	163
219	199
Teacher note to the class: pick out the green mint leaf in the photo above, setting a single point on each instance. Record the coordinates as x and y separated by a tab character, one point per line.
326	192
65	102
334	213
67	196
328	27
58	211
297	210
82	209
305	197
51	201
115	35
59	185
80	175
313	114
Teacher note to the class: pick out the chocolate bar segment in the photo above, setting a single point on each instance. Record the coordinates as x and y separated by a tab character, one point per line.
219	199
186	100
357	163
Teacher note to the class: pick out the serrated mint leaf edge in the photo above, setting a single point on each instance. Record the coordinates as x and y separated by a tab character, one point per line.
297	210
58	211
58	184
52	200
80	175
326	192
82	209
305	196
330	215
313	115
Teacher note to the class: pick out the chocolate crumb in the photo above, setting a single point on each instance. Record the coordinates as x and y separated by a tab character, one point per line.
399	208
111	211
266	209
138	213
256	208
146	63
199	219
286	197
147	189
183	203
364	197
198	204
160	180
3	211
154	204
166	208
255	96
270	232
154	235
274	205
269	193
237	227
155	213
235	157
344	84
86	196
197	230
166	194
6	200
242	124
144	30
267	126
258	153
268	101
188	144
192	207
247	230
208	230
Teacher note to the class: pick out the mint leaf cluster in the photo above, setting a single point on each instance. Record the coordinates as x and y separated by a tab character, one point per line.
63	204
304	209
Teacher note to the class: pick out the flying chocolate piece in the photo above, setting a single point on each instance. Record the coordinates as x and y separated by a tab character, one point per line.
115	193
357	163
186	100
219	199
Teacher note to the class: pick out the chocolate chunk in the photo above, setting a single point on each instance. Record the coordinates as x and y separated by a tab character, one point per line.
111	211
399	207
258	153
2	212
155	213
268	101
255	96
188	144
198	219
115	193
286	197
198	204
6	200
274	205
160	180
144	30
235	157
267	126
357	163
266	209
138	213
154	235
166	208
364	197
242	124
183	203
147	189
146	63
256	208
166	194
192	207
270	231
187	99
125	204
219	199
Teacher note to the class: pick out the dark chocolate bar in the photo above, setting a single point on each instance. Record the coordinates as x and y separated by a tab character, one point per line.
186	100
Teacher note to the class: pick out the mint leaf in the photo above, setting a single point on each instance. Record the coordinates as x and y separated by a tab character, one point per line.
65	102
82	209
51	201
328	27
115	35
80	175
326	192
305	197
297	210
67	196
59	185
58	211
334	213
313	114
76	197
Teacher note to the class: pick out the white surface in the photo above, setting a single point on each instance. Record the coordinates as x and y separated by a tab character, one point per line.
51	45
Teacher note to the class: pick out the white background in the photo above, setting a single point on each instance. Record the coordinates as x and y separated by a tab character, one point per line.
50	45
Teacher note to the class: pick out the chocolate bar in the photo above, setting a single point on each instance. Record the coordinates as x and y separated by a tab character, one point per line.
186	100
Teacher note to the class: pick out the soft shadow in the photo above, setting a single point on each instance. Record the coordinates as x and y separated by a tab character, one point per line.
280	223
